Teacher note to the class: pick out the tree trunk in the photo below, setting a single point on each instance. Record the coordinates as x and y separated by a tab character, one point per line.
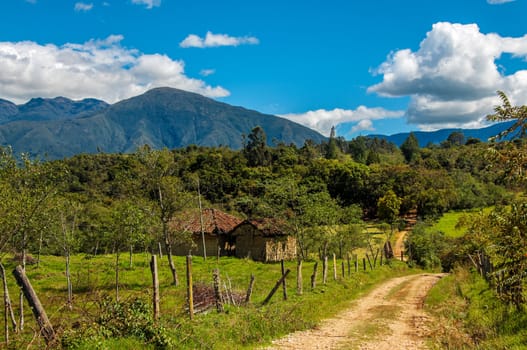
21	295
168	250
68	281
46	329
117	275
7	306
131	256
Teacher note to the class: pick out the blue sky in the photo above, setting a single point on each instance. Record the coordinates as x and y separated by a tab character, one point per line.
365	66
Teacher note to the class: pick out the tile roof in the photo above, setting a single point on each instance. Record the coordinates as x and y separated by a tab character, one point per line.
215	222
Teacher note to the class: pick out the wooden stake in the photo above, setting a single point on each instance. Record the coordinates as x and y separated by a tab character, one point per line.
275	288
299	282
46	329
217	291
249	290
325	269
334	267
284	287
155	285
190	296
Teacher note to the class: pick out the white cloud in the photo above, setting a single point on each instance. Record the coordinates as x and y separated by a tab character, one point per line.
216	40
498	2
453	77
98	68
363	125
149	3
207	72
322	120
83	7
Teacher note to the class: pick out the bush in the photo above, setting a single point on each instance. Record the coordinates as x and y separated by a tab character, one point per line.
121	320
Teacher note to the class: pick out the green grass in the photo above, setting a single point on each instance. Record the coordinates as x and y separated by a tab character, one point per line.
240	326
471	317
447	224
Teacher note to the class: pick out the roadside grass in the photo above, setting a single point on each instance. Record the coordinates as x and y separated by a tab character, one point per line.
471	317
239	327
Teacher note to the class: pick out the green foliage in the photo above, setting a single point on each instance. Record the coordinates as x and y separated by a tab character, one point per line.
121	320
426	248
507	112
388	207
410	148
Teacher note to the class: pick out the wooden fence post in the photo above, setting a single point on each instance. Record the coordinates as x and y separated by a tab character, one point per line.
349	265
343	270
299	281
155	284
275	288
364	263
334	267
325	269
46	329
249	290
314	276
217	291
190	295
369	261
284	287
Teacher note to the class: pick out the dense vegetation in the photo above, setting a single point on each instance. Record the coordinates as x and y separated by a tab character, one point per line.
112	203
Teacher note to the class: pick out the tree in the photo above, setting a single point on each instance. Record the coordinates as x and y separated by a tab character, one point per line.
455	138
68	213
507	112
332	148
166	192
410	147
255	150
128	223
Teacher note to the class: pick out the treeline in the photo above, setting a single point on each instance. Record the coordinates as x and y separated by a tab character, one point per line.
108	202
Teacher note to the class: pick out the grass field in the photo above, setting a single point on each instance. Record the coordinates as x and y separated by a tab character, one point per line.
240	326
447	224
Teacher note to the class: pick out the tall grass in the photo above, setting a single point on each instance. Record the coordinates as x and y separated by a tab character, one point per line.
471	317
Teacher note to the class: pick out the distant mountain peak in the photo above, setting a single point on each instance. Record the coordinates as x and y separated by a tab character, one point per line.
161	117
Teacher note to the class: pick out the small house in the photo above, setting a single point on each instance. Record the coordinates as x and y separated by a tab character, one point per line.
211	225
263	240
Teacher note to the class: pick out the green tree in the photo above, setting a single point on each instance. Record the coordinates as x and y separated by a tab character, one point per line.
410	147
128	226
255	149
167	193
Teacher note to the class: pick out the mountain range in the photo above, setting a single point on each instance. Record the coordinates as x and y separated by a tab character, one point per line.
438	136
162	117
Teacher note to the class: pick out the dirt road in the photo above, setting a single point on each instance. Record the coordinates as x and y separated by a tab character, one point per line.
389	317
